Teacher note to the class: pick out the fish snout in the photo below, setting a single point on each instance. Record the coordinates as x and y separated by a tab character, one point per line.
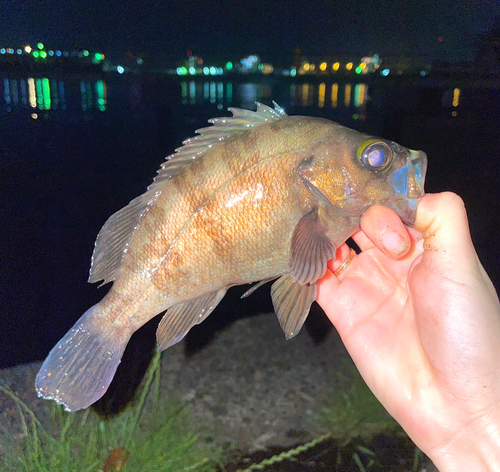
408	182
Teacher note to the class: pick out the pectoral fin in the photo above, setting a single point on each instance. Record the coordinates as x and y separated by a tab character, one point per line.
292	303
179	319
310	249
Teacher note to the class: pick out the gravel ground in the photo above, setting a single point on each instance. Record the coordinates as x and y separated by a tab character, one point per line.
248	385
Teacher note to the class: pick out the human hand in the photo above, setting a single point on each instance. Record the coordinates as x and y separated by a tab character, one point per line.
421	320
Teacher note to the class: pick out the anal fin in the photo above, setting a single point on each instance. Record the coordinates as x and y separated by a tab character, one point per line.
292	303
179	319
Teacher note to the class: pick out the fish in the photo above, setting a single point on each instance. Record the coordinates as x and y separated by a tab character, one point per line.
256	196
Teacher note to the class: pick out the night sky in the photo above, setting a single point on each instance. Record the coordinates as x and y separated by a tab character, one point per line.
270	28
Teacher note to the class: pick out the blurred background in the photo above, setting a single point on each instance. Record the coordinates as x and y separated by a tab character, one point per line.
94	96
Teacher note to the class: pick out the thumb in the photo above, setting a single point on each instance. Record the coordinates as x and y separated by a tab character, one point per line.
447	245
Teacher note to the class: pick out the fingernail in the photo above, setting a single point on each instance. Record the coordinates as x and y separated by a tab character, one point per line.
393	242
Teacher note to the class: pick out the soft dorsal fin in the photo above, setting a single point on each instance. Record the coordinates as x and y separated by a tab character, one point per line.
113	239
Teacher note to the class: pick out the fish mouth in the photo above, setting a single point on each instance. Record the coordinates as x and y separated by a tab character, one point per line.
406	209
408	183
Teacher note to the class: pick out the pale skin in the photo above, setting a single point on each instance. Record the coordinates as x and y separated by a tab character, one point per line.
421	320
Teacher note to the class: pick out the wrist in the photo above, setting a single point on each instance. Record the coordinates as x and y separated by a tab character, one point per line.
476	447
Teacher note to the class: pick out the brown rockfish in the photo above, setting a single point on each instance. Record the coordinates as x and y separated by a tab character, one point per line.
257	196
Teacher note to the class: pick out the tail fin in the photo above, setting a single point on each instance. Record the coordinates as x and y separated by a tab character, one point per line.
79	369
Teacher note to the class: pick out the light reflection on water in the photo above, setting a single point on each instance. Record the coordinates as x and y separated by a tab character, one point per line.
305	95
92	95
50	94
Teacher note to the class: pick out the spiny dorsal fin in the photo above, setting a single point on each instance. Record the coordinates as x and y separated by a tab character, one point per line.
113	239
222	128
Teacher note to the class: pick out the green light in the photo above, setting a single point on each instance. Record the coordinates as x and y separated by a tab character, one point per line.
261	66
43	54
184	91
100	89
35	54
39	93
358	70
40	46
86	53
46	93
229	65
356	96
98	57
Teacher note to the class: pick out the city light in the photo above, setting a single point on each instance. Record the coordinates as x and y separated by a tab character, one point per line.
335	95
347	95
194	65
321	94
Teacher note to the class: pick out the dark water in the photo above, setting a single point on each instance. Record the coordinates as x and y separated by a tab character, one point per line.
72	152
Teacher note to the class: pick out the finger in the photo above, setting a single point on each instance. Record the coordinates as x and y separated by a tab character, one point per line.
341	255
361	240
384	228
327	290
443	221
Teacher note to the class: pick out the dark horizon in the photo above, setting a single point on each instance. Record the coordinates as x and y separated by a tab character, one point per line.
272	29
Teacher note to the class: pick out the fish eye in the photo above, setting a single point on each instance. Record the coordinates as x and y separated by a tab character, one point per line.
375	155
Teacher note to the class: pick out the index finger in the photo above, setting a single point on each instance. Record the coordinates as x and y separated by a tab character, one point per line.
383	228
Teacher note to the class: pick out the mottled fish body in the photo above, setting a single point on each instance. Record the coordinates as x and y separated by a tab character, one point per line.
254	197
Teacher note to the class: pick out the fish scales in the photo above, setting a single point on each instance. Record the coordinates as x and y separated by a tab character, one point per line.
210	231
254	197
